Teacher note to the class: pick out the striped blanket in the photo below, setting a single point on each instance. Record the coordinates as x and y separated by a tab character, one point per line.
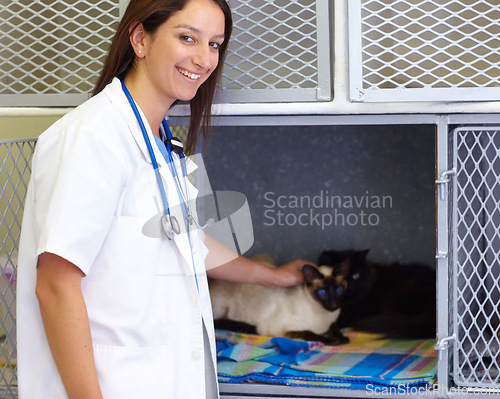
366	362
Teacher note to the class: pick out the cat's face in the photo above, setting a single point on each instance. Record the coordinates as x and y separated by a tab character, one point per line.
353	269
325	286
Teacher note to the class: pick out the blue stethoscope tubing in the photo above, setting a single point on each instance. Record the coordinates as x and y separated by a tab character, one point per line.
169	223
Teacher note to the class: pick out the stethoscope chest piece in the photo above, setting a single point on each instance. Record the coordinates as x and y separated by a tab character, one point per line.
170	226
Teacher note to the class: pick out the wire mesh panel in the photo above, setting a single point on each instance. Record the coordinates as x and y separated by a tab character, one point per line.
52	50
279	51
15	171
477	256
414	50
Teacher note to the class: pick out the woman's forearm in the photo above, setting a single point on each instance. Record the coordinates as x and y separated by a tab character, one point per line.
242	270
225	264
66	324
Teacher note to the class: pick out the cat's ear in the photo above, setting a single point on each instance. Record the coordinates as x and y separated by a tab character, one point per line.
342	269
361	255
311	274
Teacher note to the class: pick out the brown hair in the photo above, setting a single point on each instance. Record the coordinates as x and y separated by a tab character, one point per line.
152	14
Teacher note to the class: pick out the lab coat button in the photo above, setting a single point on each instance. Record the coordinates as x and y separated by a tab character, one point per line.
196	355
194	299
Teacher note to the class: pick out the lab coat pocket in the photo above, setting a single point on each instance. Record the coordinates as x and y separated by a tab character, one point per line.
133	372
129	248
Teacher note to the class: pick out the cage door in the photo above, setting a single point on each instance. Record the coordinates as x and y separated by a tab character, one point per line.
52	50
279	52
15	172
414	50
476	262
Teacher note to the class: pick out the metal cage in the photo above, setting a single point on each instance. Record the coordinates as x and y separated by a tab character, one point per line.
474	232
279	51
52	50
476	260
15	171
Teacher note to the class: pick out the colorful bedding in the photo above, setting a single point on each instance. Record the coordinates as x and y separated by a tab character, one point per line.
367	362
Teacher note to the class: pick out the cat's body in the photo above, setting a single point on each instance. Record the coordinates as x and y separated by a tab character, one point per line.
294	312
273	311
396	300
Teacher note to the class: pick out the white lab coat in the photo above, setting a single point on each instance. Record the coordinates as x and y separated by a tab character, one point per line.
93	199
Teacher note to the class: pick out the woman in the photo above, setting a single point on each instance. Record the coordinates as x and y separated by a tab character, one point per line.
109	306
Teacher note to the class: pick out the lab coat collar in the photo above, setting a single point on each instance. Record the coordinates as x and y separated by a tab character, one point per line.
116	95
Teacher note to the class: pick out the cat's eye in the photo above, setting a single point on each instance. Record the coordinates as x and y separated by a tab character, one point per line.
339	290
321	292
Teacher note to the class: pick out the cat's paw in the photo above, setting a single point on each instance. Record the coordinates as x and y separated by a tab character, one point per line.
338	340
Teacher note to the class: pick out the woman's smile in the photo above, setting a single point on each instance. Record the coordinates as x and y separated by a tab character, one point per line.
190	75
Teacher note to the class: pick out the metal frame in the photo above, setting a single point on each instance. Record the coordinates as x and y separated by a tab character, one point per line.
442	251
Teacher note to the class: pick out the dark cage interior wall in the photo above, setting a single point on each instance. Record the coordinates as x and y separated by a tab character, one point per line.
315	188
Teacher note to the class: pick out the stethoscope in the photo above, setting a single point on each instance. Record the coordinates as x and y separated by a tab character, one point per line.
169	222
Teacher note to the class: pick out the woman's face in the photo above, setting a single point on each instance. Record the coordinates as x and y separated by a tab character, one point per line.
184	51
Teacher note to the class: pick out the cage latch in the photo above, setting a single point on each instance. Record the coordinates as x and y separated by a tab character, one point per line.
442	181
443	344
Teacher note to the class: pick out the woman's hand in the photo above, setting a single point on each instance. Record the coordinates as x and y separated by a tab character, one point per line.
289	274
225	264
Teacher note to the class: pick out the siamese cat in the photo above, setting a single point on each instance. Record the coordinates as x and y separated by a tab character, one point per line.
308	311
395	300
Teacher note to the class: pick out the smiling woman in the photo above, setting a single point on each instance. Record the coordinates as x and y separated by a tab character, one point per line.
104	176
92	191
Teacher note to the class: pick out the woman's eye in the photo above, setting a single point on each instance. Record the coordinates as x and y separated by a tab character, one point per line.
187	38
215	45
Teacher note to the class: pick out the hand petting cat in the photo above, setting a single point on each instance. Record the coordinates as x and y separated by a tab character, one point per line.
288	274
244	270
225	264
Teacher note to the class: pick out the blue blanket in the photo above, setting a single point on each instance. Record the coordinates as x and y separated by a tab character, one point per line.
367	362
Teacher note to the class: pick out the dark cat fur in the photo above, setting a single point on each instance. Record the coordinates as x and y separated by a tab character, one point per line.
396	300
